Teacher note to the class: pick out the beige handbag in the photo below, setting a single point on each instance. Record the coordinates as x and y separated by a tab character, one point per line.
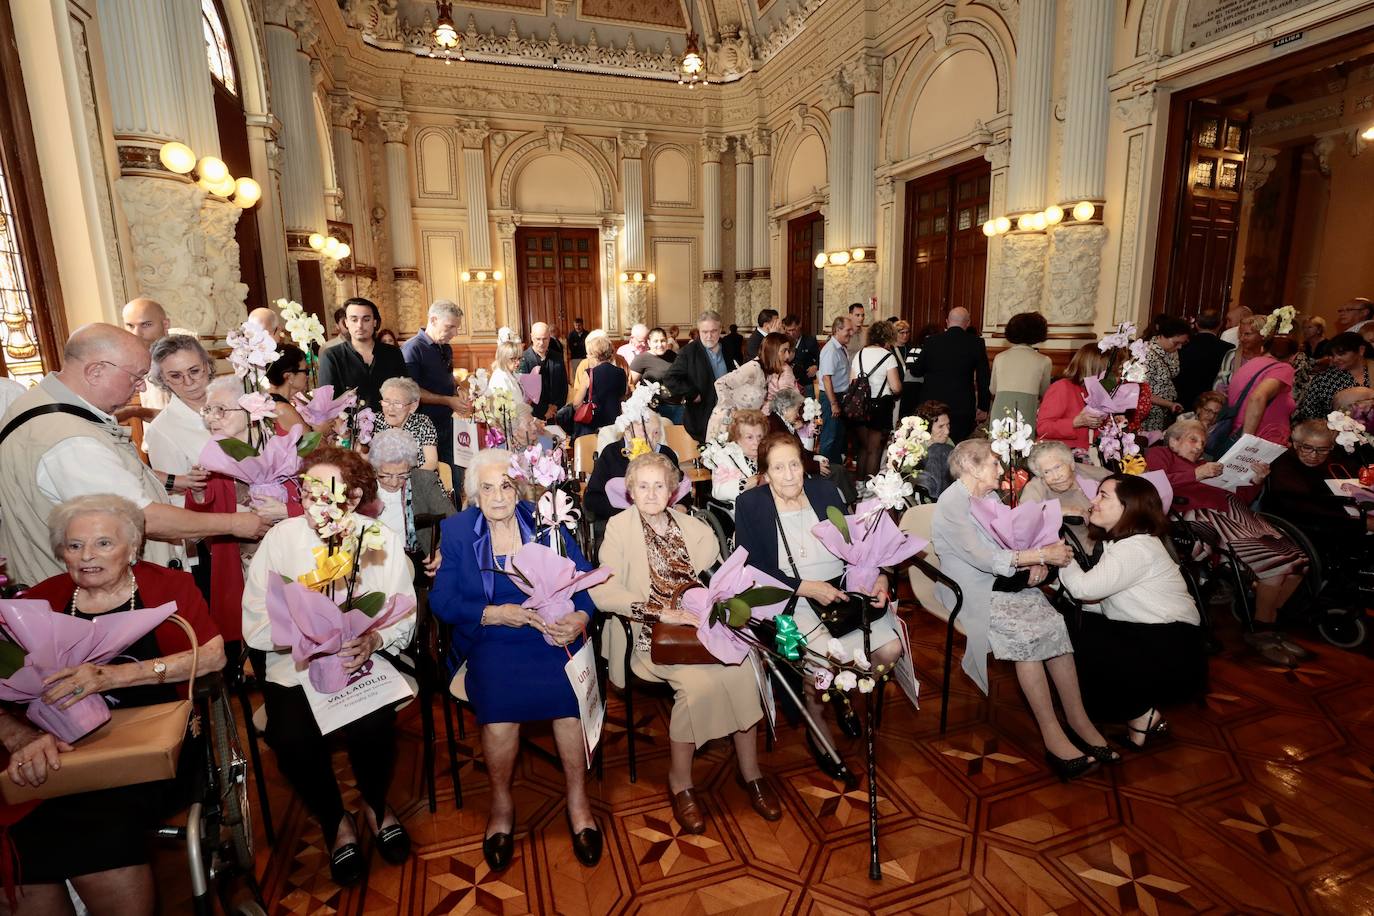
137	745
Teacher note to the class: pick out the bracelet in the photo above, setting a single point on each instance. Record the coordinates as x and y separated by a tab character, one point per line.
1015	559
1042	556
171	483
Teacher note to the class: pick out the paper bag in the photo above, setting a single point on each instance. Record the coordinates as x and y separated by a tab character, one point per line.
581	672
464	442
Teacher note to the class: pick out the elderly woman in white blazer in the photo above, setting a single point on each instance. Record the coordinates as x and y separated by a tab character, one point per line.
655	554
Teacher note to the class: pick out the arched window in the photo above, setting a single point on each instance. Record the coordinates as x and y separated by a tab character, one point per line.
217	46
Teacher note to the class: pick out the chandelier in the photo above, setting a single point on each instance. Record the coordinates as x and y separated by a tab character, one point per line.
446	36
691	70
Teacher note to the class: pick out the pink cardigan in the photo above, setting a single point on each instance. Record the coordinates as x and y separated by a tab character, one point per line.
1062	402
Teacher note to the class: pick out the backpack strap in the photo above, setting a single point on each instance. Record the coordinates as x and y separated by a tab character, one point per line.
34	413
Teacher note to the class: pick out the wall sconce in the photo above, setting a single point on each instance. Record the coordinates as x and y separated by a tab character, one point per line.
839	258
211	174
637	277
480	276
330	247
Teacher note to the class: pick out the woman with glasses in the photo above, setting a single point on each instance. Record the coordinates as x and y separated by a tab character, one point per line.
1298	492
406	493
288	378
400	400
173	440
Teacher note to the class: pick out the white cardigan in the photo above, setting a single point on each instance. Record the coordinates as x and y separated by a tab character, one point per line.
1136	580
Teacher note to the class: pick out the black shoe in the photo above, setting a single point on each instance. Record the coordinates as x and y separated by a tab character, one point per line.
1070	769
1099	752
845	716
586	843
498	849
394	844
1155	727
347	864
831	766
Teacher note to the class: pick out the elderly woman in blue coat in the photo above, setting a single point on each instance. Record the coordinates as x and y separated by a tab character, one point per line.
513	675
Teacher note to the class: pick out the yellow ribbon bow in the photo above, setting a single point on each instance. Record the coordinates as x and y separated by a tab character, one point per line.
1133	464
638	446
329	568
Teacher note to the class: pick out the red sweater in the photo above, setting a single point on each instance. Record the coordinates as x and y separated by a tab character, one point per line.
1196	494
1062	402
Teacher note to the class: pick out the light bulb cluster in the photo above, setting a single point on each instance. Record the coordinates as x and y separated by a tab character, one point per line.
637	276
839	258
1052	215
210	174
1368	133
329	246
480	276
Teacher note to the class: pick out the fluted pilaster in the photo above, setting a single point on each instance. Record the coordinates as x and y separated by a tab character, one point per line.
343	118
863	224
744	208
198	91
761	143
1031	106
632	178
293	100
711	149
839	101
1082	164
144	69
394	123
474	134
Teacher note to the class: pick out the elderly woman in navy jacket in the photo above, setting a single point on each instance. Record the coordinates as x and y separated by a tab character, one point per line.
513	674
780	543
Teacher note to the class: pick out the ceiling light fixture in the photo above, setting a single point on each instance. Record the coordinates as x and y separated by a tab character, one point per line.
691	70
446	37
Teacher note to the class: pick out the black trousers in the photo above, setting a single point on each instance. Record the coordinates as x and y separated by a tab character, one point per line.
303	754
1125	669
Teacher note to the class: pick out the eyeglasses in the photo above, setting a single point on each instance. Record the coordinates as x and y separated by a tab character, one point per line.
217	413
139	378
189	377
395	478
1303	448
396	404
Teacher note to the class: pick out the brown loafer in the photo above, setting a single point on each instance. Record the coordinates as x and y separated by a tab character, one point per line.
687	810
762	797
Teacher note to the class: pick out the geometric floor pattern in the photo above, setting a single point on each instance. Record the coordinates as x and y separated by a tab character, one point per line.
1262	802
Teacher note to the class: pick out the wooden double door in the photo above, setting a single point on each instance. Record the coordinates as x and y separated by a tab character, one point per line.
559	277
946	252
806	281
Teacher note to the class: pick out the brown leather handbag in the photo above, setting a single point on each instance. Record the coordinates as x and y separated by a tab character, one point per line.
678	643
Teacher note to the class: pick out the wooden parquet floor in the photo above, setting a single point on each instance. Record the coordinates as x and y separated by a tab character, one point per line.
1263	802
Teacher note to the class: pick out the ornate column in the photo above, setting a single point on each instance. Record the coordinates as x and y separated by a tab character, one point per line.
744	231
712	291
866	77
400	225
632	145
1075	260
1133	271
198	93
510	264
839	102
998	156
760	288
1031	110
481	296
343	120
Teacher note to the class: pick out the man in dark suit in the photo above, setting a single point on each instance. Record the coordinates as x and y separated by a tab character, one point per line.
1200	358
553	372
955	366
806	352
692	376
733	344
767	323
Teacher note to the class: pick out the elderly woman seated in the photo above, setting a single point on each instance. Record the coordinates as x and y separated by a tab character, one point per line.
1058	476
514	675
781	543
1277	563
100	840
400	401
288	551
407	492
1140	645
656	554
612	461
786	417
1298	493
934	472
1206	408
732	477
1009	612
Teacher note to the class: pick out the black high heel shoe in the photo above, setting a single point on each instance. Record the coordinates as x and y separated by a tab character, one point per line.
586	843
831	766
1099	752
1070	769
1155	727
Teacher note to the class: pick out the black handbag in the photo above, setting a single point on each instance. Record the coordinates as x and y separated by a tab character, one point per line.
842	617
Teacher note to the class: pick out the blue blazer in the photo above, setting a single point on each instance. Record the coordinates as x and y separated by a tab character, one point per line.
467	576
756	524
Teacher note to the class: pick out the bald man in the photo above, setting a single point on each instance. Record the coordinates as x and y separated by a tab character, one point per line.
270	321
60	440
553	373
147	320
955	367
1234	317
637	344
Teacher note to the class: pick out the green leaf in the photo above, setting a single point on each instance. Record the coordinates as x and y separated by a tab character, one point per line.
720	614
237	449
12	657
739	612
286	579
369	604
764	595
837	519
309	442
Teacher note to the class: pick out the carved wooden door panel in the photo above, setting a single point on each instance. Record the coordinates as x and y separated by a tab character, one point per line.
559	278
968	268
1206	229
946	251
805	281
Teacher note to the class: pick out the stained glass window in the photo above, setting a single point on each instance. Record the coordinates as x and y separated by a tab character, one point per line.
217	46
22	358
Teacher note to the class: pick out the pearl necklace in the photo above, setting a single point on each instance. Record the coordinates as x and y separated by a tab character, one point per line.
133	596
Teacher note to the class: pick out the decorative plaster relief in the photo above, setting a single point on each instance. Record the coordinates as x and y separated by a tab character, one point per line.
636	304
481	308
218	259
1124	308
712	295
1075	264
1023	274
164	228
553	106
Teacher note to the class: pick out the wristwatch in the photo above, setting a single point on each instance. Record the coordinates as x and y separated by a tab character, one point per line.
160	669
171	483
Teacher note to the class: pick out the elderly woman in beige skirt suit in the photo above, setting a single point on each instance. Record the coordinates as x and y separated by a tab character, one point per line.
656	554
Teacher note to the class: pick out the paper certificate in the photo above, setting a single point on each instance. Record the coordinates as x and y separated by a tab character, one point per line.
374	685
1238	462
581	672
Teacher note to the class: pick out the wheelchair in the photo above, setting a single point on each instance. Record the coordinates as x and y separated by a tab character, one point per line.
1338	587
217	832
719	516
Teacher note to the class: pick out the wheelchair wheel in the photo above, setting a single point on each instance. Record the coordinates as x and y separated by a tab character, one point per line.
231	772
1314	580
709	517
1342	628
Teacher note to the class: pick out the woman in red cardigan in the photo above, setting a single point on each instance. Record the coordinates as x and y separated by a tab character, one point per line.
99	840
1062	416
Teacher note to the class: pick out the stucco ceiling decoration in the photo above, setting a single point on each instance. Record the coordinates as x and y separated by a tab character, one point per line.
660	14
